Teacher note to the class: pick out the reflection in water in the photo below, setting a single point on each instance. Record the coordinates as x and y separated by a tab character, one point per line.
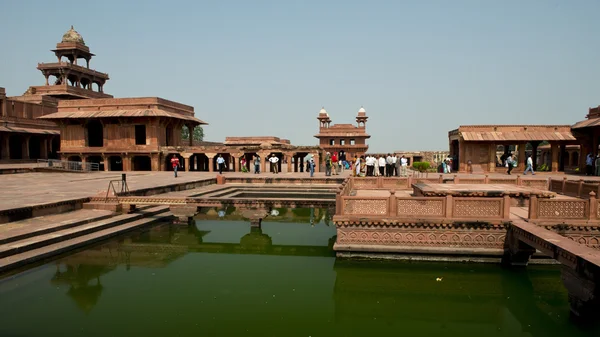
224	278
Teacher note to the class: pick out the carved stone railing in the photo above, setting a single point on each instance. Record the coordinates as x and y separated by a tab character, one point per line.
373	183
574	188
564	209
449	207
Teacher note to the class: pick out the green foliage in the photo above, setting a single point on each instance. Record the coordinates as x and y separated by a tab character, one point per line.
543	168
198	133
421	166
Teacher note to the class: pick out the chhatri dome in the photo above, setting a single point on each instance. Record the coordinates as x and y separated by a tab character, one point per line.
323	112
362	112
72	36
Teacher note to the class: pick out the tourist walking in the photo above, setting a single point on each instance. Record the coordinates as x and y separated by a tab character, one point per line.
220	163
529	166
589	164
274	164
175	164
256	164
404	166
389	165
510	164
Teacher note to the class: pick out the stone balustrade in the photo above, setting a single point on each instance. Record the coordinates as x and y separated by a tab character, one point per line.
565	209
367	183
448	207
574	188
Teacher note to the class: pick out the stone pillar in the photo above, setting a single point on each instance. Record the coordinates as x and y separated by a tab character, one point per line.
492	158
155	162
5	147
516	252
288	158
210	157
554	151
44	149
462	161
25	147
521	164
317	163
106	160
126	158
534	151
561	160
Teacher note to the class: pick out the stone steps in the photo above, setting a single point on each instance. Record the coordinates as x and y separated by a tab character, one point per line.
19	230
21	252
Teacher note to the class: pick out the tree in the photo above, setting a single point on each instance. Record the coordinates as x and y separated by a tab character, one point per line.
198	135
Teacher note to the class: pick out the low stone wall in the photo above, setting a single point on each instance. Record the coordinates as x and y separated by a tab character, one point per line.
290	181
574	188
373	183
20	213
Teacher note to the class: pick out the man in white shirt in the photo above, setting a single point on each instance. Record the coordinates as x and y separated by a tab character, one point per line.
274	164
370	162
404	165
389	168
221	163
381	163
395	164
529	166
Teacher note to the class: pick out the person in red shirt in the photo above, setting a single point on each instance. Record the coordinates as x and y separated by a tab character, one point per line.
334	164
175	164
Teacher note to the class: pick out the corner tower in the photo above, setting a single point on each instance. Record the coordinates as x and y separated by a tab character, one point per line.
65	79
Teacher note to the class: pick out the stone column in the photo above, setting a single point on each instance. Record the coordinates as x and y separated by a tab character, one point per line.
5	146
210	157
554	151
44	149
492	158
534	151
106	161
462	161
317	164
521	164
25	147
155	162
126	158
288	158
562	164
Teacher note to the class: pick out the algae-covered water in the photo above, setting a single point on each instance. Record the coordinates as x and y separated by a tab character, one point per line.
217	277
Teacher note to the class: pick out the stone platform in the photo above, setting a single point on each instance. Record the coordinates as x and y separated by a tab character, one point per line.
478	190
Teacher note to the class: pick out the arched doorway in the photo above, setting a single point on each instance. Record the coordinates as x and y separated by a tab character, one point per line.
199	162
227	158
278	155
96	160
55	148
115	163
95	133
35	147
141	163
169	167
299	164
15	145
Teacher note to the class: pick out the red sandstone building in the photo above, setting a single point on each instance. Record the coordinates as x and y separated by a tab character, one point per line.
352	139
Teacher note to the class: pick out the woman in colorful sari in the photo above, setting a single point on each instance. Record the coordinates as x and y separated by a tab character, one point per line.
356	168
243	165
363	167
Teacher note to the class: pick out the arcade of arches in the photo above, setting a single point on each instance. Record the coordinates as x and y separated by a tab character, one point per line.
28	146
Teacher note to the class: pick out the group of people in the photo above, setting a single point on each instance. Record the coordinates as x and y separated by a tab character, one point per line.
590	163
447	165
510	162
388	166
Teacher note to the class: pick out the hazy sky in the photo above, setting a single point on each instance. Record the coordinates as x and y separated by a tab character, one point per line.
250	68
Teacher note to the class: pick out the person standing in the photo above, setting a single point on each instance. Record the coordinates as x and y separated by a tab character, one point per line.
389	165
529	166
334	164
381	163
274	164
311	166
220	163
589	164
396	163
404	165
175	164
256	164
243	165
597	165
356	167
342	160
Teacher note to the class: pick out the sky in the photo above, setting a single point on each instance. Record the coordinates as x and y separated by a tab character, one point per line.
265	68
